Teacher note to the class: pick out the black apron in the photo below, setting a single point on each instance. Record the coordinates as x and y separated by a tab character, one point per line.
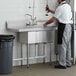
60	32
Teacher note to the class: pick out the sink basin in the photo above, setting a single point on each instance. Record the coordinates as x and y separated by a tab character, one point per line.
34	33
36	37
39	24
37	34
20	26
33	26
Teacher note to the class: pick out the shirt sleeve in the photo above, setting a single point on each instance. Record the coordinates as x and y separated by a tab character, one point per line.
57	13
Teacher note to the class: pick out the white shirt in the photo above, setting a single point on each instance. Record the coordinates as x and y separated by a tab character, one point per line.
63	13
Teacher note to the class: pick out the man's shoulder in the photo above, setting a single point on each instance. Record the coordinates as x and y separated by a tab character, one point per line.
64	6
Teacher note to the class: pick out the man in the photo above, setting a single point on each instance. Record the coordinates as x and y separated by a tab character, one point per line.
63	15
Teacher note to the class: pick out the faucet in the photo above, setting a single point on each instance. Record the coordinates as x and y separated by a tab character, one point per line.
33	20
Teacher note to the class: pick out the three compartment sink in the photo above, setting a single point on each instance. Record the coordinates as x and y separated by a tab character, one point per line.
36	37
35	34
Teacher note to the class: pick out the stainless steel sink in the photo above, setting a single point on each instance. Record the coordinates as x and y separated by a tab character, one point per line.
35	33
36	37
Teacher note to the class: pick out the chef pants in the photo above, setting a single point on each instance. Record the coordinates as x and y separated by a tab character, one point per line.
65	47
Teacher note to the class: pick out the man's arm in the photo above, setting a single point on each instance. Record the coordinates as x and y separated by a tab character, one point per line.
52	11
51	20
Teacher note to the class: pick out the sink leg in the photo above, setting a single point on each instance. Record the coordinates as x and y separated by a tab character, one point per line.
36	52
21	55
56	47
44	52
27	55
50	53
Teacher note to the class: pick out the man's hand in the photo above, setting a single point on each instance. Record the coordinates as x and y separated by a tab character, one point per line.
47	8
44	24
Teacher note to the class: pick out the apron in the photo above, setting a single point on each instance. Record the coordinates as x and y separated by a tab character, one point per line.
60	32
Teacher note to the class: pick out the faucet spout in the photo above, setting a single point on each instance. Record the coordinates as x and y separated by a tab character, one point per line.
33	20
29	15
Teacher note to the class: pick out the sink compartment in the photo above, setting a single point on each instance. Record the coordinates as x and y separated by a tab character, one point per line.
36	37
27	37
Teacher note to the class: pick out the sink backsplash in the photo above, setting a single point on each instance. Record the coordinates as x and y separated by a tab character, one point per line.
16	24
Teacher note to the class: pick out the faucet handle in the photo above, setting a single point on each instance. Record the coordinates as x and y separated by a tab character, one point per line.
34	21
28	23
